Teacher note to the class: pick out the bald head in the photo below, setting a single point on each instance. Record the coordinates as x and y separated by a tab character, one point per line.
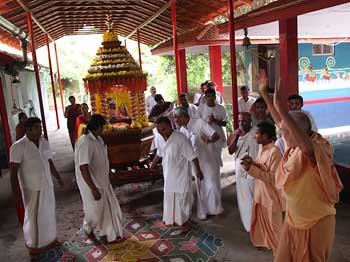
302	121
246	116
244	121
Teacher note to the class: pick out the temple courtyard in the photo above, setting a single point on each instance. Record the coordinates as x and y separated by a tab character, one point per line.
220	238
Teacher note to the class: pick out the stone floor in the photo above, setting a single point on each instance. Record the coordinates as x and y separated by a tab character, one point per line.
237	246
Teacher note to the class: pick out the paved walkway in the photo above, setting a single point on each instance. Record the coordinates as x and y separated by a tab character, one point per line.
237	246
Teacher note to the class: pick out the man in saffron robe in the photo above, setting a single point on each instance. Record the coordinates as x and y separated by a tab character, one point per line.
310	183
268	203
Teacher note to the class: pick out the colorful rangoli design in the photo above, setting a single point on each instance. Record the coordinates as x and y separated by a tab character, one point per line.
146	239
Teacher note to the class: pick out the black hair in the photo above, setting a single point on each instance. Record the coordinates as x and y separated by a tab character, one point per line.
31	121
211	84
158	97
163	120
260	100
71	97
244	88
20	115
296	96
183	95
84	104
203	84
268	129
95	122
210	91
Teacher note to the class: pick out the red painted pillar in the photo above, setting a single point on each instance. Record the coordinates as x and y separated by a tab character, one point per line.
139	47
52	80
288	34
183	71
176	49
5	121
216	66
59	78
233	65
8	142
37	76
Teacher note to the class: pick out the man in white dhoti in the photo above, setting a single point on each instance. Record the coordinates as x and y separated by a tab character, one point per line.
242	142
215	115
177	155
101	207
203	137
191	108
32	157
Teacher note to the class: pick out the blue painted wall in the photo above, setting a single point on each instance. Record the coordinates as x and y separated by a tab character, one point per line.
338	64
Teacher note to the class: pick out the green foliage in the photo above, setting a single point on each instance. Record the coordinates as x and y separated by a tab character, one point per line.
77	52
226	68
229	126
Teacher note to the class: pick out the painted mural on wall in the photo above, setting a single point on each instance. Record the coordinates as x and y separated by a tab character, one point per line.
323	72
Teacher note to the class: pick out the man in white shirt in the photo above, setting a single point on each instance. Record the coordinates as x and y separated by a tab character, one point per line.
215	115
192	109
101	207
198	96
218	97
242	142
32	157
177	154
150	102
245	102
202	137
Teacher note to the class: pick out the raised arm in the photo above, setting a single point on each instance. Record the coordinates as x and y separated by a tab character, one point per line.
300	137
264	92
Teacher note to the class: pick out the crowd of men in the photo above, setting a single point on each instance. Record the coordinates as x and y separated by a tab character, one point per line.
282	165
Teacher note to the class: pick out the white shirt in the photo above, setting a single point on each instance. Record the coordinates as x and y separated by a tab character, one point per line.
92	151
34	163
244	106
150	103
219	113
194	130
177	154
209	157
192	110
196	97
246	145
218	99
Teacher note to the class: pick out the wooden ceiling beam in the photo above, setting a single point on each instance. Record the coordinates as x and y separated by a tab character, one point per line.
156	34
6	8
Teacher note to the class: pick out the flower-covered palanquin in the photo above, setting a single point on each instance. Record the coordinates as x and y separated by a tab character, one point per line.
116	83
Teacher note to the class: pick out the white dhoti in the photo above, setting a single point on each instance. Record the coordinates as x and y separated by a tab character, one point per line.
245	195
177	208
39	226
103	215
209	192
245	184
